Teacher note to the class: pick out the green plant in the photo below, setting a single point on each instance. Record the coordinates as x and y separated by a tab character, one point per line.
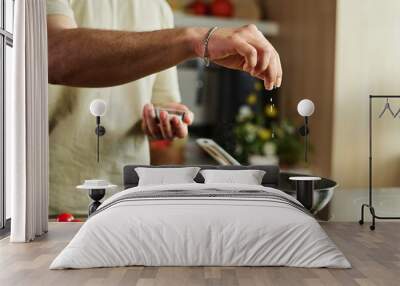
253	135
289	145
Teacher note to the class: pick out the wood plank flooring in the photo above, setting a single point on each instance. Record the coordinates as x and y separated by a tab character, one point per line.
375	257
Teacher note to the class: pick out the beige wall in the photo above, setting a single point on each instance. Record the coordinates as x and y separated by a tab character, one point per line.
367	62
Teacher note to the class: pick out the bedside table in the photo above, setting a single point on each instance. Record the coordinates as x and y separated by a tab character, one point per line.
96	191
305	189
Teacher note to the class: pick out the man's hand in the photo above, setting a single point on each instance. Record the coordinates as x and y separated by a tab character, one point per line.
167	128
244	49
124	56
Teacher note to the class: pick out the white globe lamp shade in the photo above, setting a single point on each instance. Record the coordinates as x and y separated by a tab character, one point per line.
305	108
98	107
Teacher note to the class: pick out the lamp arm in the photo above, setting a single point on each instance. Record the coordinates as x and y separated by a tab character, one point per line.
98	137
306	138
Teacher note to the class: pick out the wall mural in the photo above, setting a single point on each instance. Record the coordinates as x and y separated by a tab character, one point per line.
98	124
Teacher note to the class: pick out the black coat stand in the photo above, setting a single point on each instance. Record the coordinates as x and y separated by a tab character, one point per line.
370	189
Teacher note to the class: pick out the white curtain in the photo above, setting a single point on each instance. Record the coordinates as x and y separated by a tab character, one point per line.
27	124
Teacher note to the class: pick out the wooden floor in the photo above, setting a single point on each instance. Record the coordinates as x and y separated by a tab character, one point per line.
375	257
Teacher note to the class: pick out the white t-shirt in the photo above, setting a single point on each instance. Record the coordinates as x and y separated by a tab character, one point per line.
72	136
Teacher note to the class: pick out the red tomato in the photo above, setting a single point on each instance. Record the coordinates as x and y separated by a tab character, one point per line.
222	8
65	217
197	7
76	220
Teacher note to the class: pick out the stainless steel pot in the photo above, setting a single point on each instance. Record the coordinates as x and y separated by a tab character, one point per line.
323	192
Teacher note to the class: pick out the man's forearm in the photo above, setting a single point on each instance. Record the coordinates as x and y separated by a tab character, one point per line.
100	58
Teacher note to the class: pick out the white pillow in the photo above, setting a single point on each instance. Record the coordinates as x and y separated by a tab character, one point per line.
248	177
163	176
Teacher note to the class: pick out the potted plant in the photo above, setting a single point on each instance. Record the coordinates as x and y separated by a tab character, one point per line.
257	138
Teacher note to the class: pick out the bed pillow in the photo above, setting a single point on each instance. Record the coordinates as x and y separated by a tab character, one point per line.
247	177
163	176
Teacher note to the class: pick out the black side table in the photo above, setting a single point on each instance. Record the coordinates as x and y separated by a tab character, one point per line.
96	195
305	190
96	191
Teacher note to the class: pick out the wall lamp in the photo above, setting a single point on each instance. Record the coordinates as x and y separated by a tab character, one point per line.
305	108
98	109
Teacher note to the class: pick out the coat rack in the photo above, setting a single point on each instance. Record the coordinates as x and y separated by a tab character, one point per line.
370	200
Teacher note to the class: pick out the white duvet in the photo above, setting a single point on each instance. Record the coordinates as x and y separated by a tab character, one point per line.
200	231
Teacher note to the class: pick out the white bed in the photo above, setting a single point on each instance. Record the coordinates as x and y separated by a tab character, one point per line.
268	228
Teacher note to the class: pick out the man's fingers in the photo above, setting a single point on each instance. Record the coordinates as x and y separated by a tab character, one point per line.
280	72
272	77
247	49
249	53
165	125
150	120
188	116
271	74
267	60
264	61
180	129
268	65
265	51
145	126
